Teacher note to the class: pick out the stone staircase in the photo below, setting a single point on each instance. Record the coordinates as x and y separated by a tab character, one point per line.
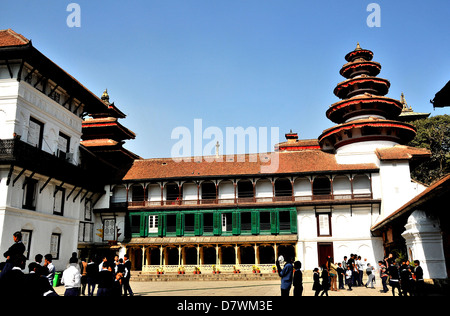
139	276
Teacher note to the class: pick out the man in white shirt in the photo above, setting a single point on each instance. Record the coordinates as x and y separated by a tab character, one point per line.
48	258
71	278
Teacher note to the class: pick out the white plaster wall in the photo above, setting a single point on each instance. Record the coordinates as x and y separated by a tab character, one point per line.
361	152
396	186
41	221
302	187
226	190
154	192
263	188
19	101
189	192
350	234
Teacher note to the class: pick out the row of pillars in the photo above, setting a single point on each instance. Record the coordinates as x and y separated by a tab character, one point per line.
164	253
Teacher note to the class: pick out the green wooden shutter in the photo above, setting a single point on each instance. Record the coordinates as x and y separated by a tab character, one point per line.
274	222
162	225
143	226
294	221
180	224
255	222
198	224
217	222
236	217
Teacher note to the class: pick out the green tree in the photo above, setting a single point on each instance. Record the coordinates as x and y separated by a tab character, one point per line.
434	134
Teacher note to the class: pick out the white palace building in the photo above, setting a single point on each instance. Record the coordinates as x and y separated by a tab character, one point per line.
68	184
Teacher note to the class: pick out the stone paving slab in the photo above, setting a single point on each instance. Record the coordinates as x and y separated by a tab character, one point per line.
231	288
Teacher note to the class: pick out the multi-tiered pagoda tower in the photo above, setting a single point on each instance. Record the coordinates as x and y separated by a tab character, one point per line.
105	136
364	114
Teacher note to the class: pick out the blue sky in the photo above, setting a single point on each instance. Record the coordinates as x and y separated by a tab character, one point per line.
248	63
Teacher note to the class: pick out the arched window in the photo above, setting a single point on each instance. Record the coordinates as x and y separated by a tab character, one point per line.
342	188
361	186
208	191
245	189
172	191
283	187
321	187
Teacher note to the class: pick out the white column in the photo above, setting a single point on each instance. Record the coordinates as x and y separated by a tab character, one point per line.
424	243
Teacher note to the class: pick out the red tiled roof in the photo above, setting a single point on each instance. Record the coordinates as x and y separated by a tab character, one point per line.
400	152
306	161
299	144
10	38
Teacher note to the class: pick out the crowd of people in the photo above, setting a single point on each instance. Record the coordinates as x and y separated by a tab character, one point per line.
112	277
403	278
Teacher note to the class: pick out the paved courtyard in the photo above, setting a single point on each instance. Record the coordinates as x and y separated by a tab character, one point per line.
230	288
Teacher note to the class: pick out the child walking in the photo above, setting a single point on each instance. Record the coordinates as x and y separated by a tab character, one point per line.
348	278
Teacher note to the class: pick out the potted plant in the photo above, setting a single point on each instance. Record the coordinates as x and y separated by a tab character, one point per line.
214	269
274	269
160	271
236	270
181	270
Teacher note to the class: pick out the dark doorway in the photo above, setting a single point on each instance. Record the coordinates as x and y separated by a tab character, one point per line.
324	250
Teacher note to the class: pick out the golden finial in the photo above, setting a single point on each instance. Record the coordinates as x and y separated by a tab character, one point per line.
357	46
105	96
403	102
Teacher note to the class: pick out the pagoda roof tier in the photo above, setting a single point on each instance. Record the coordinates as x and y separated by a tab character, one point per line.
361	85
366	104
110	111
360	67
109	127
359	53
111	151
366	130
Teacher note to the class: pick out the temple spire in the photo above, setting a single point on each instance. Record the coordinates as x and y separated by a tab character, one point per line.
105	96
403	102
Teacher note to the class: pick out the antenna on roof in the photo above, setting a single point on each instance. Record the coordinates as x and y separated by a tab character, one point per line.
217	149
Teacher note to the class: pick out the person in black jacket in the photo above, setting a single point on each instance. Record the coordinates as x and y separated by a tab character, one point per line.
105	280
418	276
13	280
394	279
405	279
298	279
14	253
91	273
325	281
126	278
316	285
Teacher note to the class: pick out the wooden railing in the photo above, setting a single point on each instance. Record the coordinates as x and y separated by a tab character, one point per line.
322	197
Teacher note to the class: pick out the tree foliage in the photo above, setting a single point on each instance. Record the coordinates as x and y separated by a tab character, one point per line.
434	134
